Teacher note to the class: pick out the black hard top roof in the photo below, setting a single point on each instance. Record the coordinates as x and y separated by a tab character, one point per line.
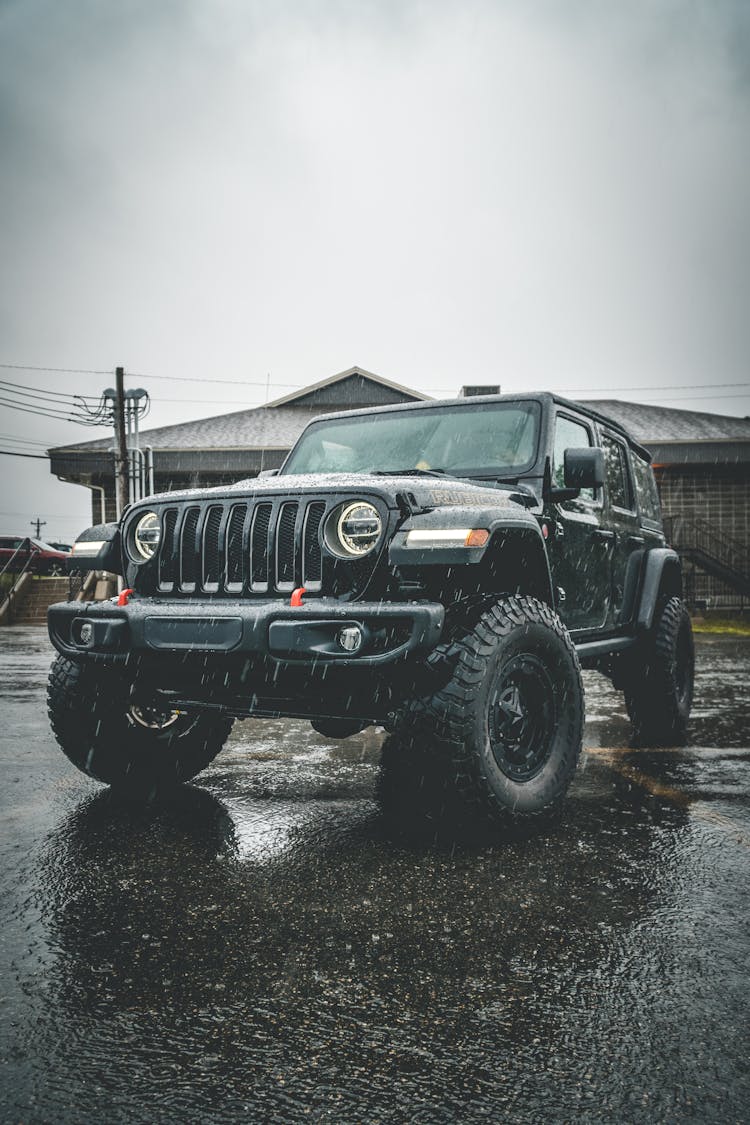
532	396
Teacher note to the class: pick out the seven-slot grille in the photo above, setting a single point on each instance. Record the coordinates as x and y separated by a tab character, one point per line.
258	547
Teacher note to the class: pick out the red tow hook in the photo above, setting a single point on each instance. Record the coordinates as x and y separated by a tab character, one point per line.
123	598
296	598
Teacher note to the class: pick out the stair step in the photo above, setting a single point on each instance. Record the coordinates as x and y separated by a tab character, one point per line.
42	601
34	599
31	603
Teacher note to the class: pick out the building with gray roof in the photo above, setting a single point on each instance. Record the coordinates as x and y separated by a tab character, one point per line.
701	460
227	447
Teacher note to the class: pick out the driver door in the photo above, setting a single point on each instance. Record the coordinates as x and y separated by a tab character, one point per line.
580	550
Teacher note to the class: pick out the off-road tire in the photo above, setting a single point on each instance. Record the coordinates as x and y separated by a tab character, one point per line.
510	758
90	711
658	681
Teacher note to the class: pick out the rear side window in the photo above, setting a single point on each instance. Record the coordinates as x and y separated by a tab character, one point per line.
646	491
616	474
569	434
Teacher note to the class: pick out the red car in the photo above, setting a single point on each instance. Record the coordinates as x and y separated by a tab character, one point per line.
44	560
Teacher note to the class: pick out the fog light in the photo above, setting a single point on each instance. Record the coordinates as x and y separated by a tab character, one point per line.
86	633
350	638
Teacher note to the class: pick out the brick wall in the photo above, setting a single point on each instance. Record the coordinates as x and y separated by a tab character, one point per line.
719	495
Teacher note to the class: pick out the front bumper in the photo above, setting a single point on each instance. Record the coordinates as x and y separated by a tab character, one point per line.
303	634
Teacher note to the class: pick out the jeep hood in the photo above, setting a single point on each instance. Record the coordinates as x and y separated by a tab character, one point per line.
420	491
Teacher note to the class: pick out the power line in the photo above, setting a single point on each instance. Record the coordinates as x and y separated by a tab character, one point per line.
85	410
140	375
253	405
57	416
202	379
217	404
64	370
250	383
681	398
53	515
71	402
90	418
35	392
28	446
23	441
32	408
672	387
14	453
264	383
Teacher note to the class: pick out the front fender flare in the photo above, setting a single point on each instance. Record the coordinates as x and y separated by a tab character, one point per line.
515	550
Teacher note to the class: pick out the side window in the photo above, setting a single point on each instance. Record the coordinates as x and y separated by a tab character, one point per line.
568	435
616	474
646	491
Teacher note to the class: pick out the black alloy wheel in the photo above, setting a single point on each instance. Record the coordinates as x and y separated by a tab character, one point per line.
522	717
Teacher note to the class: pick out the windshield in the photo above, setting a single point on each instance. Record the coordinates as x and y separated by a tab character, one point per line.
492	439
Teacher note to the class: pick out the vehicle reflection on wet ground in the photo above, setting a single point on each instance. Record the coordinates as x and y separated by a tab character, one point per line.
274	944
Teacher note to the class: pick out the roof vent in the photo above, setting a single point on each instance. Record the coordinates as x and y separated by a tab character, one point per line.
480	389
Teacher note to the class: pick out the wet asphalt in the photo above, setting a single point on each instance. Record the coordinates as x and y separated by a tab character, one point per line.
276	945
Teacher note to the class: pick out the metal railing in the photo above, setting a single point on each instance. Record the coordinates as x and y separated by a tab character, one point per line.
715	553
684	532
30	551
81	585
25	547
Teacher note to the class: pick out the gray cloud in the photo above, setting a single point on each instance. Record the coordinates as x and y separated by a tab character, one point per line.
545	194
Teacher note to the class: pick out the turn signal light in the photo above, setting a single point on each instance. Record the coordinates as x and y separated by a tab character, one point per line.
477	538
447	537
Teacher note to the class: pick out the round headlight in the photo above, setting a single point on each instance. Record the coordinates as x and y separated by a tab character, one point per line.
356	529
147	535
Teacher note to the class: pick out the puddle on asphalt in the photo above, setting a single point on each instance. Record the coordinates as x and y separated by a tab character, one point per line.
272	945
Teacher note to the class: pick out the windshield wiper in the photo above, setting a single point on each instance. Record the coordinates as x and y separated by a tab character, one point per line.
409	473
495	477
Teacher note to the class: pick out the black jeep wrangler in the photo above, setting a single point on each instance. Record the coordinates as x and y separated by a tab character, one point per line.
443	569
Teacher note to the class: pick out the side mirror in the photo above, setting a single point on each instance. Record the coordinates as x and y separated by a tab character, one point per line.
268	473
584	468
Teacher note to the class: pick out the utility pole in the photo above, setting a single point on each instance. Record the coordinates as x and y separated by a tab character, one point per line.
38	524
121	449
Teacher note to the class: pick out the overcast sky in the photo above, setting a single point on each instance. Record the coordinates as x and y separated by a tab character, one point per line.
544	195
